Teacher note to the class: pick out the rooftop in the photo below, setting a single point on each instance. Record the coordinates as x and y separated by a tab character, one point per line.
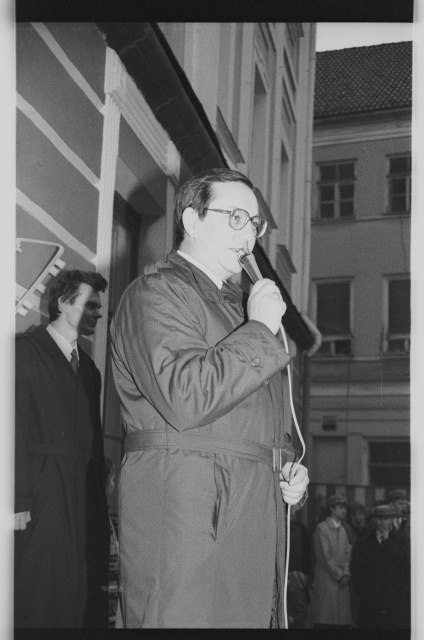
363	79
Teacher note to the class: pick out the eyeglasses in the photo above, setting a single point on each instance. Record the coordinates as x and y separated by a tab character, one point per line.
239	219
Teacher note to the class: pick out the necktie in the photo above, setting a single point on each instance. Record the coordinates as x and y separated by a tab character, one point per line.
231	291
74	361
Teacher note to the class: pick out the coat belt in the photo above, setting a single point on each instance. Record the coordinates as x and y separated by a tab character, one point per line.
152	439
55	449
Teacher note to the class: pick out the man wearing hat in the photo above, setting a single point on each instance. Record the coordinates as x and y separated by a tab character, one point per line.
356	521
330	594
379	571
355	526
397	499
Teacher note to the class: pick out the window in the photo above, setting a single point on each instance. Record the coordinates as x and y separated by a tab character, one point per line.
294	32
389	463
336	189
399	184
258	152
333	318
398	320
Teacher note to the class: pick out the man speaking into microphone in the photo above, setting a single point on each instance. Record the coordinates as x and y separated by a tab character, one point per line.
207	464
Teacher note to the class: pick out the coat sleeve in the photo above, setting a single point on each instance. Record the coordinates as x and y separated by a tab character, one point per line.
158	346
98	446
24	399
95	389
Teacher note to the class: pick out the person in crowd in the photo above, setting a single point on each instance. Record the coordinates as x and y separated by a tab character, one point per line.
405	543
61	521
355	526
356	521
331	606
397	499
300	574
207	464
380	571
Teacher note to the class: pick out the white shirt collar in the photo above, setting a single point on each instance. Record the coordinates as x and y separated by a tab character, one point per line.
65	346
336	524
202	267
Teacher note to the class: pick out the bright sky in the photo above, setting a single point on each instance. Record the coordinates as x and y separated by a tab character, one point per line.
342	35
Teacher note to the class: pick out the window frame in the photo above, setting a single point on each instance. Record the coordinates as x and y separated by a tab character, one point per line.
293	34
387	337
397	176
335	339
395	442
337	183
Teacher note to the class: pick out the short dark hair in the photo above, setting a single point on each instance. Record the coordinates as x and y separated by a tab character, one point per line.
197	193
67	285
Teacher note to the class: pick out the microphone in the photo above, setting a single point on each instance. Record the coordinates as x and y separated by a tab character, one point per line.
248	262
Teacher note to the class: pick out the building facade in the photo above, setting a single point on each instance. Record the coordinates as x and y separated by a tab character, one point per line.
113	117
360	271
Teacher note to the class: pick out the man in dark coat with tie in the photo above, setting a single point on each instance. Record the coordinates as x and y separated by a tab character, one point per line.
380	570
61	522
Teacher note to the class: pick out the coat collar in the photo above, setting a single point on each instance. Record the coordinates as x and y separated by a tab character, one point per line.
332	524
42	336
230	292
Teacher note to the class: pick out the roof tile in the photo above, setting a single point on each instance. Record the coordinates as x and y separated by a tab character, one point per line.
363	79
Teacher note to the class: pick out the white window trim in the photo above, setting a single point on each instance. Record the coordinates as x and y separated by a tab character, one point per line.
228	115
258	66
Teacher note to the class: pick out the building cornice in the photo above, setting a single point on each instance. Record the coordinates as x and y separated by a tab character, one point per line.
339	222
337	137
150	62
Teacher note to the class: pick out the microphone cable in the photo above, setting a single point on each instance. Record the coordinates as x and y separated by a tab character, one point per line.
248	263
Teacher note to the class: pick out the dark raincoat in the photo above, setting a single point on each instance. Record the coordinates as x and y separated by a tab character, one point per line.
381	575
61	558
201	516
